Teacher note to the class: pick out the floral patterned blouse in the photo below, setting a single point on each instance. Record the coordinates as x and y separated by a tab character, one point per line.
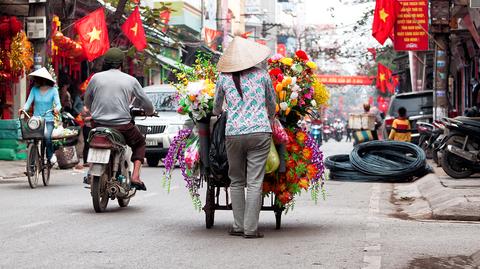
252	113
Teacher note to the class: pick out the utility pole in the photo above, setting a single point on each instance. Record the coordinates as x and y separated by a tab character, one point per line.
440	12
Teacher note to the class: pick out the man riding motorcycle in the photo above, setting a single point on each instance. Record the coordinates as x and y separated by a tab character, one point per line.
108	97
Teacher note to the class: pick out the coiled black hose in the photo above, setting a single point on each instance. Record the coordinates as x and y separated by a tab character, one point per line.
389	161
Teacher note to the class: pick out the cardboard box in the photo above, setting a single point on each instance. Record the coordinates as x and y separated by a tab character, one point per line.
362	121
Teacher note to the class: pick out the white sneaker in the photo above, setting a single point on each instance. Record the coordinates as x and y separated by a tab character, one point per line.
53	159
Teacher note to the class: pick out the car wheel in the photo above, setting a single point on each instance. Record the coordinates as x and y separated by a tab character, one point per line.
153	161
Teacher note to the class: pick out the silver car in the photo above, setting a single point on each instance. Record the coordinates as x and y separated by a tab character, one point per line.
160	131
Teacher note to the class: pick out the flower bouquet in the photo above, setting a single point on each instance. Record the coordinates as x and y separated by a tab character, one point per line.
196	88
295	84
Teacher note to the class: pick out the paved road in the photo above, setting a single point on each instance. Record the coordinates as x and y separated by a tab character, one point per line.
56	227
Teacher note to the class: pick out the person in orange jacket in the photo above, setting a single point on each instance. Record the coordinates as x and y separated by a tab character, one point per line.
401	128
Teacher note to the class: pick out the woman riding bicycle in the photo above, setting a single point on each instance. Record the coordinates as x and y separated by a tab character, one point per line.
45	97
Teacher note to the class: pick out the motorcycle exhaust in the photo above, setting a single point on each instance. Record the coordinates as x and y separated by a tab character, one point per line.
471	157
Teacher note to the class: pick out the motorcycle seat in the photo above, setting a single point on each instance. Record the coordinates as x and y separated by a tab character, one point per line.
470	121
114	135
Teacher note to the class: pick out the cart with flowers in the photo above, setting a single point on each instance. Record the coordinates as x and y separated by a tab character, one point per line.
295	162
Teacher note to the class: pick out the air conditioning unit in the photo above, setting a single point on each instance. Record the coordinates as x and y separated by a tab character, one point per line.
36	27
475	3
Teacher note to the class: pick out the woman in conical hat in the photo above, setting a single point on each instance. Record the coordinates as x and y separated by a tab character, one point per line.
250	105
45	96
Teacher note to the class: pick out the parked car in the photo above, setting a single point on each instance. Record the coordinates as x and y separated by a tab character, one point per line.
419	107
160	131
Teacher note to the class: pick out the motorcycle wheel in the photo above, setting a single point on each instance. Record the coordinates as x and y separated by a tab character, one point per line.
453	165
435	157
123	202
99	193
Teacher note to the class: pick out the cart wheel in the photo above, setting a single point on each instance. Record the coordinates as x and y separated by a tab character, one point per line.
210	207
278	219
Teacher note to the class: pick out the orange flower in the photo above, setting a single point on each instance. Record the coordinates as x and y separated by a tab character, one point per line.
285	197
301	136
307	153
304	183
312	171
279	87
288	111
291	163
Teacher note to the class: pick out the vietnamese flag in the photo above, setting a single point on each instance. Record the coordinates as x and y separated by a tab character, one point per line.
93	34
383	78
133	29
384	17
393	85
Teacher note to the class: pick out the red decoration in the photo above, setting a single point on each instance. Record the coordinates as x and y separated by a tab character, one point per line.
246	34
373	51
282	49
383	78
384	17
345	80
165	19
133	29
210	36
93	34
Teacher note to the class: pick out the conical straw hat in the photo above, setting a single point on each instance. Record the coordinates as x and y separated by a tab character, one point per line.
42	73
242	54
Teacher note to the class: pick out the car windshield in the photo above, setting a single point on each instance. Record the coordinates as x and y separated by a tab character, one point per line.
415	104
163	101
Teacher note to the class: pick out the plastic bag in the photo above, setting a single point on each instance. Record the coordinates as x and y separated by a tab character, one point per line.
273	160
218	151
279	134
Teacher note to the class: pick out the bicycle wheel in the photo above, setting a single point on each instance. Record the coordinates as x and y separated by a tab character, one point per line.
33	164
45	166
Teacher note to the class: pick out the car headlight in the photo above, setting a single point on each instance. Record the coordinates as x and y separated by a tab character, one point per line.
33	123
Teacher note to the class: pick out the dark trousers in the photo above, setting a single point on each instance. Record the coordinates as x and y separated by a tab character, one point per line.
86	146
133	137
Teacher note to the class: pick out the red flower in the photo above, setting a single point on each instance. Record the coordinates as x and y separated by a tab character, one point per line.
280	77
291	163
295	147
307	153
302	55
275	72
304	183
312	171
285	197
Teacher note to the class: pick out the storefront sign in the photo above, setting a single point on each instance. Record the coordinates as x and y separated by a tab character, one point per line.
411	28
345	80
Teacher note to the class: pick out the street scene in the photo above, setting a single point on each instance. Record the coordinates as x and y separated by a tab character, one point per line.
239	134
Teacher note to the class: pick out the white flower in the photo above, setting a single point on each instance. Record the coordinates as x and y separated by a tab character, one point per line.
296	88
294	95
283	106
313	103
194	88
294	80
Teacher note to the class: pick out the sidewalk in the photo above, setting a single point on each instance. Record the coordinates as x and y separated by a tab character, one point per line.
438	196
12	169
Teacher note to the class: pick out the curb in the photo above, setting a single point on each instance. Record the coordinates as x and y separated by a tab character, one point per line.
444	203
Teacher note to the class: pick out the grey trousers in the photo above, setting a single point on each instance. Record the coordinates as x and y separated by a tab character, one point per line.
247	156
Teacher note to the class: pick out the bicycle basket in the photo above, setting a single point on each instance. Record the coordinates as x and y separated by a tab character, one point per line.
33	128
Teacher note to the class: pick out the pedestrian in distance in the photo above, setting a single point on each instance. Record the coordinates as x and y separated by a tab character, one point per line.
44	95
401	129
349	133
250	105
378	120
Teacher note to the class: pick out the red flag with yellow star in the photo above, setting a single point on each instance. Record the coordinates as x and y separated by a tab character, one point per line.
383	78
384	17
133	29
93	34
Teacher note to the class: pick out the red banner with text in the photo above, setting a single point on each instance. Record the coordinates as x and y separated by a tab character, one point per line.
411	28
345	80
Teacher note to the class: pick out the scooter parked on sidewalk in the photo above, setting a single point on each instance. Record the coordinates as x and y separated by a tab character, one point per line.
110	166
461	148
429	133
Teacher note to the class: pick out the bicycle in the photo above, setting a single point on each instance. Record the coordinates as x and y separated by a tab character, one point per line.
33	128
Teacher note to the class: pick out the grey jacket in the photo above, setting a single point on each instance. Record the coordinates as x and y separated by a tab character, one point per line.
109	95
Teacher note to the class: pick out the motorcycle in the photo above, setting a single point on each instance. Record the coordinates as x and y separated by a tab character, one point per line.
461	148
429	134
110	167
316	131
338	133
326	132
